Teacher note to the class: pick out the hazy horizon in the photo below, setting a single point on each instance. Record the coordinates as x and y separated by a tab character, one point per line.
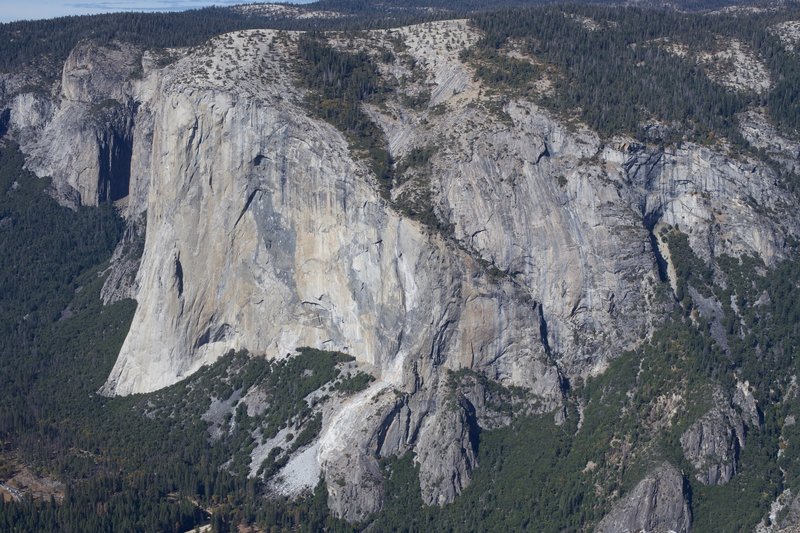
13	10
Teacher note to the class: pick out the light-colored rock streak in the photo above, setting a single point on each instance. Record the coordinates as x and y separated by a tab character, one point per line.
342	433
301	473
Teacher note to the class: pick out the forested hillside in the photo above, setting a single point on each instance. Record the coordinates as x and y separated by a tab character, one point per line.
51	40
615	74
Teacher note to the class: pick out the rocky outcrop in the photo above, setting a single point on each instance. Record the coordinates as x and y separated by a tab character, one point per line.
125	262
348	452
569	216
790	518
747	405
658	504
448	451
83	138
712	444
762	134
783	516
265	232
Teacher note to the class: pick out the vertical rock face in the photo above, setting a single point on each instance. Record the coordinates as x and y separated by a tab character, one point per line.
121	281
595	228
570	216
83	140
253	189
713	197
712	445
743	399
567	242
658	504
265	232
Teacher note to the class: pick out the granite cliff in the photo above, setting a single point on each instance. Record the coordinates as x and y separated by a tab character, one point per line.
262	230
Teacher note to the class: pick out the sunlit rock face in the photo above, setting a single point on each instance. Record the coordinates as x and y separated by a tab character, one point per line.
265	232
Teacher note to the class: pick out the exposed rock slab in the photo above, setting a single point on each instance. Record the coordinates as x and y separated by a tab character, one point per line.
658	504
712	444
82	139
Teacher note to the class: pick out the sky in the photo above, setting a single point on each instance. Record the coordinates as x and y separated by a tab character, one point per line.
39	9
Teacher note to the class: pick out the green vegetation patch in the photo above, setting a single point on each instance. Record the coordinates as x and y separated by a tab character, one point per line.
339	83
616	73
354	383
